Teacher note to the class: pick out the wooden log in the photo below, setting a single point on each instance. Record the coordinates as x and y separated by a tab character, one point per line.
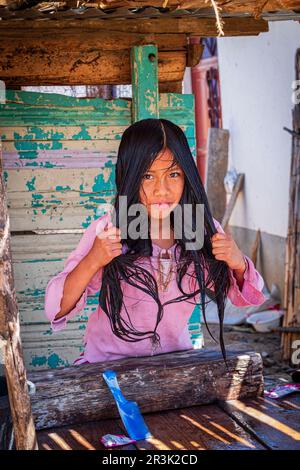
79	393
94	57
170	87
43	62
15	372
203	27
194	54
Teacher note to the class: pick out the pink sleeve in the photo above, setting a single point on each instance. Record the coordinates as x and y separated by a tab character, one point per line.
55	287
251	293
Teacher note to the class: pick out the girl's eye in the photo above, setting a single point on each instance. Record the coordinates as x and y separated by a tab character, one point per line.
147	176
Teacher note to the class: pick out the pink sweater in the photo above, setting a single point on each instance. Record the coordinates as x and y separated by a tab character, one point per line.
100	343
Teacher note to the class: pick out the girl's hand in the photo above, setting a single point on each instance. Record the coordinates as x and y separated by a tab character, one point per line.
107	246
225	249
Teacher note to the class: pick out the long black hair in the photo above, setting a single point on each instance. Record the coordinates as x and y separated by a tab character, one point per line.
140	145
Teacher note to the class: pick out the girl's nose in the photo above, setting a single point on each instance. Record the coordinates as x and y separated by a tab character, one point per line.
161	189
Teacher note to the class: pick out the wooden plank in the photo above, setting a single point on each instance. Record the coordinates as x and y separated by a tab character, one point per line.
160	382
21	66
60	198
144	70
276	423
289	340
194	54
15	372
57	100
233	198
63	133
84	39
204	427
216	168
203	27
80	437
37	258
170	87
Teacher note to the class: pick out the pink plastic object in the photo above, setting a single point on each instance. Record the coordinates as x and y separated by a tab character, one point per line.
114	440
281	390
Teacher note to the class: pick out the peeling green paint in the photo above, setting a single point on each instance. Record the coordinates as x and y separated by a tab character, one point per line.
53	361
48	332
31	184
87	222
62	188
82	135
41	260
38	361
49	165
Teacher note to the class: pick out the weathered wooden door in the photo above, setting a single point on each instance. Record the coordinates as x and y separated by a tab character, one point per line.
59	155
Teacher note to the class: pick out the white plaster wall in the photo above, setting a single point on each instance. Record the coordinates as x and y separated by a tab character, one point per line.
256	75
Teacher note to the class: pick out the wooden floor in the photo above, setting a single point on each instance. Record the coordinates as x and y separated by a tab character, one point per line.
253	424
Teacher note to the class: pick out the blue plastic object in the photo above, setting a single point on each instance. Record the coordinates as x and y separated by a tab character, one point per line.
129	410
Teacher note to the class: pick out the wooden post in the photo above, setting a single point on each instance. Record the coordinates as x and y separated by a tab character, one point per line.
289	339
216	168
236	190
24	429
144	77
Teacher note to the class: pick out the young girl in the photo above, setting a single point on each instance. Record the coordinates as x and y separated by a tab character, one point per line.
149	285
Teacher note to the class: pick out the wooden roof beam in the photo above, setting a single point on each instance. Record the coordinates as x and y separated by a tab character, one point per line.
204	27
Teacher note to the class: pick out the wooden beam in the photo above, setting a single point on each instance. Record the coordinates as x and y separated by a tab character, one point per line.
170	87
15	372
204	27
194	54
79	394
144	78
83	58
290	340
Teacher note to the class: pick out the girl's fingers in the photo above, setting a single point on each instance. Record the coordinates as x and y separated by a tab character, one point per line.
112	232
220	258
221	243
108	226
219	236
116	244
219	252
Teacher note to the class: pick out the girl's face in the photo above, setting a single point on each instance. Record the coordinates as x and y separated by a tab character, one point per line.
162	186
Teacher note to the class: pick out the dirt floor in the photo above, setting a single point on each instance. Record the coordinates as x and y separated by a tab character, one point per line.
267	344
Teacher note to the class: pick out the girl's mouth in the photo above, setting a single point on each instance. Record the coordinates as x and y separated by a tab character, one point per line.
162	205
